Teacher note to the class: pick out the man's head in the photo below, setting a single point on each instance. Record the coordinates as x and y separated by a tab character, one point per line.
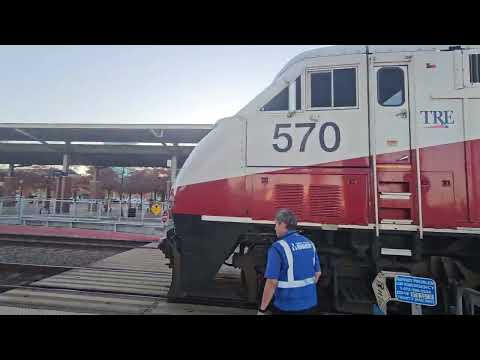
285	220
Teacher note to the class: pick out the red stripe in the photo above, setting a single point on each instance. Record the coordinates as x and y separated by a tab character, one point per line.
450	198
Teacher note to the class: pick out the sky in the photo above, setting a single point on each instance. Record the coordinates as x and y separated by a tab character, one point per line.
135	84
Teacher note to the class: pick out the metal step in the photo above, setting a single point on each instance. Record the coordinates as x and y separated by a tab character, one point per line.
397	221
396	252
396	196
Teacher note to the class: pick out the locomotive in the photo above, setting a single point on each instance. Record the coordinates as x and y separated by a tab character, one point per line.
376	149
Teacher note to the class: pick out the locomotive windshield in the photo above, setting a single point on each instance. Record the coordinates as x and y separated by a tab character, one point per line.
280	101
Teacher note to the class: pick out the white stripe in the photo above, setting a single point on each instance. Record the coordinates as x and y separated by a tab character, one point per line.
227	219
289	255
314	252
296	283
247	220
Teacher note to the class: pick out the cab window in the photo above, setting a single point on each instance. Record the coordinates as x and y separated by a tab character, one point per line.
391	86
332	88
321	89
474	62
278	103
344	88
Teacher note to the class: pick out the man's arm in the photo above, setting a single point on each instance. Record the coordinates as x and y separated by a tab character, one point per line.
318	269
272	273
268	292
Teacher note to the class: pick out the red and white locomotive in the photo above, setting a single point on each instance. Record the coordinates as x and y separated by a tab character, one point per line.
377	151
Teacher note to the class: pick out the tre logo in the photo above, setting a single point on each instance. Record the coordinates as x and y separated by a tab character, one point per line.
437	119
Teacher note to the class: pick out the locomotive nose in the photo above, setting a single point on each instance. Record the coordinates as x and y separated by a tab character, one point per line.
216	156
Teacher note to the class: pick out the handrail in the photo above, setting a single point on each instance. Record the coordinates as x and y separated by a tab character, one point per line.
472	299
373	143
24	208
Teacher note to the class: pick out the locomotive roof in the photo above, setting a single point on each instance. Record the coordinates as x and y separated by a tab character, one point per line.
359	49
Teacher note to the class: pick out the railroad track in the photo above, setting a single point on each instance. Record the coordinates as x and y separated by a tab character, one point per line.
61	269
135	281
59	241
110	296
86	289
108	271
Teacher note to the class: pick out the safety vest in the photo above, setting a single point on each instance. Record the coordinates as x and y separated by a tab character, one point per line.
302	244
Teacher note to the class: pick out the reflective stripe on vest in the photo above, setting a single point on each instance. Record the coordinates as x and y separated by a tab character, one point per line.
314	252
291	282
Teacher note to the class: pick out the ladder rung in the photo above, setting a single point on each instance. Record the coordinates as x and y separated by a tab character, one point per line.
397	252
397	221
395	196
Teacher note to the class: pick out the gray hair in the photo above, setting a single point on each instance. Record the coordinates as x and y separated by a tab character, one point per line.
287	217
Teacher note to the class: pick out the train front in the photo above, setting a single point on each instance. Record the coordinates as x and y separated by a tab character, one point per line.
209	187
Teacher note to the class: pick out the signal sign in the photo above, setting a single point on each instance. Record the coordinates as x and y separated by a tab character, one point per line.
156	209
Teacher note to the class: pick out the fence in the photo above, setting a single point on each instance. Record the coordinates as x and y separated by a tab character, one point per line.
99	209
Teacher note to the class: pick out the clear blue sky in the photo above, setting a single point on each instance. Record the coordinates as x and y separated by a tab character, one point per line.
134	84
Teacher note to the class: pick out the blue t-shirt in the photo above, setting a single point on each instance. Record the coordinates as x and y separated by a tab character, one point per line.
297	290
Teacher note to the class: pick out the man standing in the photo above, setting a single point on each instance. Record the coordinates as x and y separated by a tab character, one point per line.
293	270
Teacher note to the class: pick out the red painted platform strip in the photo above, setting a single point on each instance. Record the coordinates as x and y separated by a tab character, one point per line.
73	233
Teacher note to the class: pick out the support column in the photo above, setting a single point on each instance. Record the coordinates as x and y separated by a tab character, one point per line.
64	186
173	169
173	175
48	195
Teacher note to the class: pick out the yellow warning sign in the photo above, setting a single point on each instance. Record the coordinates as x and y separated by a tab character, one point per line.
156	209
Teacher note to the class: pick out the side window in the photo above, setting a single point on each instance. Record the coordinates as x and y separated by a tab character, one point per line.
344	88
390	86
281	100
335	88
321	89
474	62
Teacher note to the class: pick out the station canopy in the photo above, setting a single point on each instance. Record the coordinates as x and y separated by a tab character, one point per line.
133	145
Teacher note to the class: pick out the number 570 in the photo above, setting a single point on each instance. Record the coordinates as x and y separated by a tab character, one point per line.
309	126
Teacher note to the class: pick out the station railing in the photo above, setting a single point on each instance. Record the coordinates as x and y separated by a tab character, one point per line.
100	209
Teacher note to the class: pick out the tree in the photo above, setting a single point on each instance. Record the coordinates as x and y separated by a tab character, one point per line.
138	182
80	184
147	180
160	178
110	180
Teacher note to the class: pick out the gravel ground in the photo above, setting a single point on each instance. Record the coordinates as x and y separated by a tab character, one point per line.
60	255
43	254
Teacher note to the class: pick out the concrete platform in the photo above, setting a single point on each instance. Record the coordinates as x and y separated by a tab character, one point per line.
164	308
8	310
74	233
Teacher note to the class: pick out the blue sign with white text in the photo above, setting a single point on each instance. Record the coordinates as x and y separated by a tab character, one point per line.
416	290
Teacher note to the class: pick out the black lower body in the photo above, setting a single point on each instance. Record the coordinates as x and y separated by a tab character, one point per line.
350	260
197	249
